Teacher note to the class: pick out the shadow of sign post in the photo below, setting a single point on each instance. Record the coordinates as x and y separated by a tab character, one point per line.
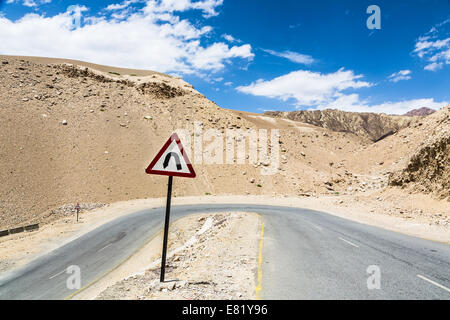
170	161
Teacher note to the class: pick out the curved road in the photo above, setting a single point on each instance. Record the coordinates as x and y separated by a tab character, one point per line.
306	255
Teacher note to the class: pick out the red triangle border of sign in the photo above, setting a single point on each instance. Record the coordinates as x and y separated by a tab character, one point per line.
173	137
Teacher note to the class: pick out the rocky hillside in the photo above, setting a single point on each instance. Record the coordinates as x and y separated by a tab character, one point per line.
85	133
428	169
76	132
372	126
421	112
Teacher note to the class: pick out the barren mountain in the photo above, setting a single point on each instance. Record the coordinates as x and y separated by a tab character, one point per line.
77	132
368	125
421	112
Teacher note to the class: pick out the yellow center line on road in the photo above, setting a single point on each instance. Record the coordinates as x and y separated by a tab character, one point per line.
259	285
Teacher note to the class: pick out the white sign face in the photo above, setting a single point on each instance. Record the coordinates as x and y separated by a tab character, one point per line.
171	160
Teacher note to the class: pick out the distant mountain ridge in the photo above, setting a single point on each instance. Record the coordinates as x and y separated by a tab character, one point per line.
372	126
420	112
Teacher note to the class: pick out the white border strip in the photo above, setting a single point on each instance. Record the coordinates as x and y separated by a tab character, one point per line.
435	283
350	243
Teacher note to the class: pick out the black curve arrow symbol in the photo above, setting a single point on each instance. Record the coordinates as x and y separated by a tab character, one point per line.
177	160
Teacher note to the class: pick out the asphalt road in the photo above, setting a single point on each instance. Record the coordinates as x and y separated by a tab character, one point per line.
305	255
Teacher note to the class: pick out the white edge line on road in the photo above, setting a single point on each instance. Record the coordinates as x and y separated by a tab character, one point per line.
350	243
56	275
435	283
104	247
317	227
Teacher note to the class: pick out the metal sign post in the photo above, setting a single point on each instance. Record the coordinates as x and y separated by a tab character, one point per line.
179	167
78	210
166	229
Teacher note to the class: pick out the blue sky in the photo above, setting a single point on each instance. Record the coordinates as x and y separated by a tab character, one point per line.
255	55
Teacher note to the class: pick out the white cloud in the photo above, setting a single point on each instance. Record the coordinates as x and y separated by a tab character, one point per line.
120	15
292	56
305	87
352	103
214	56
434	48
151	38
230	38
30	3
328	91
401	75
208	7
170	6
433	66
118	6
425	47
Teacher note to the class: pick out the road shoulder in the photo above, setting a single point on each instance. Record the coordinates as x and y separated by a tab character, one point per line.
17	250
210	256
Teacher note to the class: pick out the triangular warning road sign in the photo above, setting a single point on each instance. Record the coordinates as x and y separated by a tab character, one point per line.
172	160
